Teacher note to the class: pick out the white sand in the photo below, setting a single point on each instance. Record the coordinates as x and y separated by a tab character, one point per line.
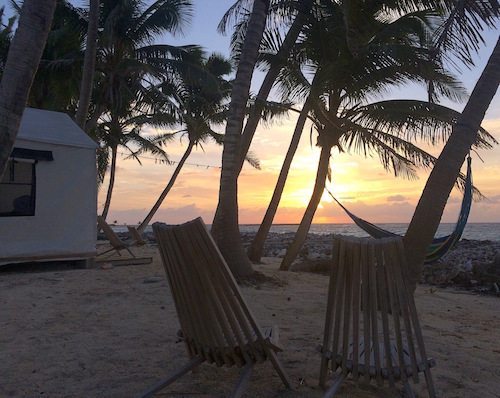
107	333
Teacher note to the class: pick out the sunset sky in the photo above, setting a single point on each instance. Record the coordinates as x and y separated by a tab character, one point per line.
362	184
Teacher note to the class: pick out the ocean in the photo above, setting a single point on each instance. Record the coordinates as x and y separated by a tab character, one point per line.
473	231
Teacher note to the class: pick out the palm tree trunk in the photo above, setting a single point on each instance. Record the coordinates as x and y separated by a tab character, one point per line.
225	228
112	173
270	78
94	118
88	65
22	62
255	250
431	205
158	203
305	224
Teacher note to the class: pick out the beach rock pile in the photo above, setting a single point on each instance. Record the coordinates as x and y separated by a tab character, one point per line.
471	264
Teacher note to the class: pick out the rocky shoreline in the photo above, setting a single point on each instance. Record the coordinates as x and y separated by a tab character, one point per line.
472	264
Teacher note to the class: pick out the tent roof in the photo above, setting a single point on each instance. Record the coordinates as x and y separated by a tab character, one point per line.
54	128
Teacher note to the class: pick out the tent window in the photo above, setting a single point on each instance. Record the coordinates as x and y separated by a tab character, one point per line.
17	189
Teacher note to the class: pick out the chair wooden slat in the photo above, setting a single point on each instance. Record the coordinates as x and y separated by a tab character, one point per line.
372	283
384	314
215	321
371	327
347	305
366	319
331	299
359	257
339	297
395	308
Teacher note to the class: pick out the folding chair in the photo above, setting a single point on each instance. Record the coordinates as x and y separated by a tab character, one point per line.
114	240
216	324
371	328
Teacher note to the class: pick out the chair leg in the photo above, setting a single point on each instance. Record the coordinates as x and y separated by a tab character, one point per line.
430	383
176	374
408	391
130	251
335	385
279	368
243	380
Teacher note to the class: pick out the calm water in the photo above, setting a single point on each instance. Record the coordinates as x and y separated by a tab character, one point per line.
476	231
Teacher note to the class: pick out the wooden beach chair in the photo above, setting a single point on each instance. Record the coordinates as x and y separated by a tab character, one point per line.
136	236
114	240
372	329
216	324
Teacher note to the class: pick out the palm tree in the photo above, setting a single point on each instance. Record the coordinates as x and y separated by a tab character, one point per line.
344	117
124	131
6	32
128	71
460	35
276	54
88	65
20	67
198	108
56	84
225	229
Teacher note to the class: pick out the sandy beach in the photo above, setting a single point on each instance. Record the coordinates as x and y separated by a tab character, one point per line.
111	332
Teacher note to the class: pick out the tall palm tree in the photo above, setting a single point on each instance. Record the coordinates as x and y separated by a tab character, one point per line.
20	67
385	55
225	228
460	35
198	108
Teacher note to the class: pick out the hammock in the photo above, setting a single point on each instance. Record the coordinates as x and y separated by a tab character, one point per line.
439	246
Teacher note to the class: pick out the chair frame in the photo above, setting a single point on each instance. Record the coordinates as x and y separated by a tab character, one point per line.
216	324
372	329
114	240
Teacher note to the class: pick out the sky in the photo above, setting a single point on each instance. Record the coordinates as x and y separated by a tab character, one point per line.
362	185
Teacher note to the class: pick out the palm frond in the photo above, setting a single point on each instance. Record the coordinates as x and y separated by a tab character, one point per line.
461	34
163	16
412	120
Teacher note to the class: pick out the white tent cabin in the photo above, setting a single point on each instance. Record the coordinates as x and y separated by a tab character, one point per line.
48	193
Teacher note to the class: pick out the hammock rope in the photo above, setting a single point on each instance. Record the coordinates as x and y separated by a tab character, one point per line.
439	246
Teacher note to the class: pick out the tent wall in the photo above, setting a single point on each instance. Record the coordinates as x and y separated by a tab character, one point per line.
64	224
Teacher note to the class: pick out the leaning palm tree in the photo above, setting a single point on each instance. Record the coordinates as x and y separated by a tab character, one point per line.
22	61
198	108
124	132
459	37
284	16
386	54
6	32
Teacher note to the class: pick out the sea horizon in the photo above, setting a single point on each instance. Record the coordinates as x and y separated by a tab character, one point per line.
472	231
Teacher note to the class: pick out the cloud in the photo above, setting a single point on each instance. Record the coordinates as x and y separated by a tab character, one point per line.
494	199
396	198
